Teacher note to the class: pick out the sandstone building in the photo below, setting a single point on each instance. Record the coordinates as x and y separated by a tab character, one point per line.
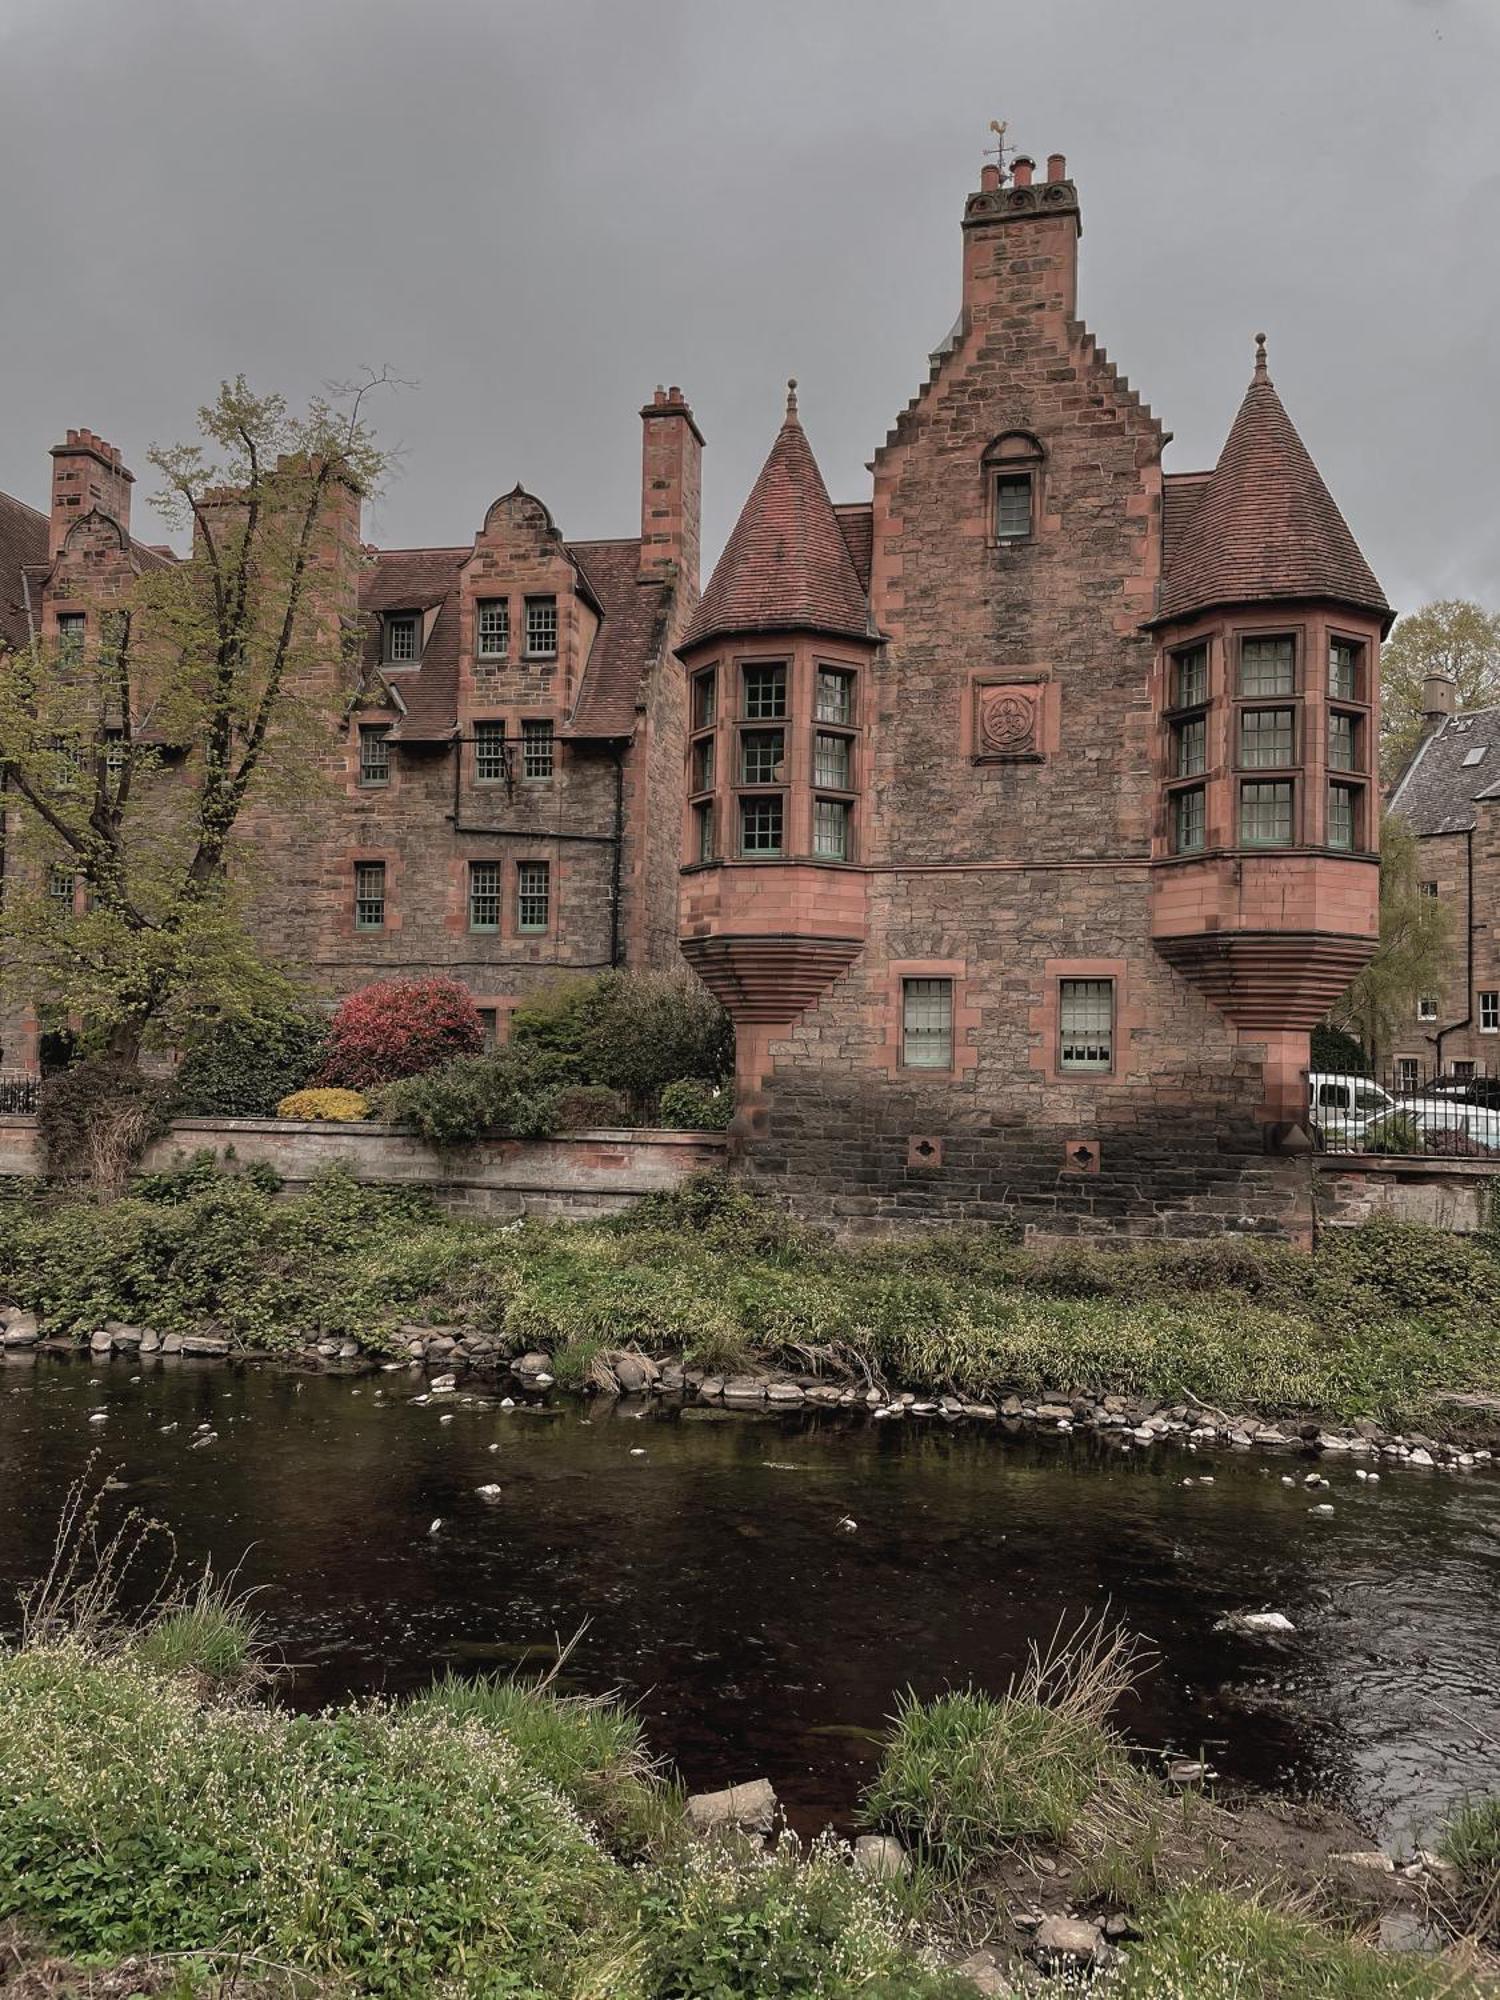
1022	811
503	800
1030	817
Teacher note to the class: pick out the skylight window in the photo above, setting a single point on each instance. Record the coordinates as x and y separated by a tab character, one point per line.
1474	756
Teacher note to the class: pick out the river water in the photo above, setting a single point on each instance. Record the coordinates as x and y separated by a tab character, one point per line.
756	1631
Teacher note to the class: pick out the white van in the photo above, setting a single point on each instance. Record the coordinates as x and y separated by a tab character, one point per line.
1342	1106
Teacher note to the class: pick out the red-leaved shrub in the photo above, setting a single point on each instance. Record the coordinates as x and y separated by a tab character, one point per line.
399	1027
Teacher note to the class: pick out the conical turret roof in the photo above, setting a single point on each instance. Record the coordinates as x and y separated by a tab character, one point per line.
787	566
1266	526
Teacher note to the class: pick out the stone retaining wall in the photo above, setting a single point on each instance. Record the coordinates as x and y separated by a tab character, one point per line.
583	1173
1365	1187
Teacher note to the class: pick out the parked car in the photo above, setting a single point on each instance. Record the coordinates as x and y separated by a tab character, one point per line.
1342	1106
1484	1090
1431	1124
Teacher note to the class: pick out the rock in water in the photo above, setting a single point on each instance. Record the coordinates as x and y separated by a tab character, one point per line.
1256	1624
490	1493
750	1808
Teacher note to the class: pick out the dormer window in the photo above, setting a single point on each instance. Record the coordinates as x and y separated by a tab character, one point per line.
402	638
71	627
541	628
1013	466
494	628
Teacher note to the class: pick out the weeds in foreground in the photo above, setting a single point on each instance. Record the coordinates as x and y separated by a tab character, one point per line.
205	1628
1203	1944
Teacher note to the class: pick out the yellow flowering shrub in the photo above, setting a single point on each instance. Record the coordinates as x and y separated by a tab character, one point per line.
343	1106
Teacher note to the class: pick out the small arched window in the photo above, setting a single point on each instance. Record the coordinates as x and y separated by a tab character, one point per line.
1013	478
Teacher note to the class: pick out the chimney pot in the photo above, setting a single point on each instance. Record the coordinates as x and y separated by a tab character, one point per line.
1439	697
1022	167
1057	167
989	177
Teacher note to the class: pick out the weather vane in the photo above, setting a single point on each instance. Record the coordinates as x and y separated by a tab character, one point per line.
999	126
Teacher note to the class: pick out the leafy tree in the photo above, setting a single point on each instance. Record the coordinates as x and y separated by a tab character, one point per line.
1411	957
1452	636
133	757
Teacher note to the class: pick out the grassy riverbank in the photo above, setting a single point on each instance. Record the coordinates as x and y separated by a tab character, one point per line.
1380	1323
491	1839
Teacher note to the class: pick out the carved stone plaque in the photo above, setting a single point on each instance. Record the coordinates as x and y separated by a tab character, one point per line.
1007	721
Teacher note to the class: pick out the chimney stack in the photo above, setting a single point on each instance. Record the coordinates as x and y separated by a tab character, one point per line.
86	475
1439	697
671	489
1021	246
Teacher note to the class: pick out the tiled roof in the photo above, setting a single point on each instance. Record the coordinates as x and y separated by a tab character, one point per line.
630	636
1180	494
23	541
1265	526
1437	791
629	640
787	566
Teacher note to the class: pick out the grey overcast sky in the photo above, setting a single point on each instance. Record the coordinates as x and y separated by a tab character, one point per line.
535	212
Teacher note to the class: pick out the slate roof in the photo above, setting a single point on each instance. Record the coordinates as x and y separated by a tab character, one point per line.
787	565
1438	791
630	636
1265	526
23	544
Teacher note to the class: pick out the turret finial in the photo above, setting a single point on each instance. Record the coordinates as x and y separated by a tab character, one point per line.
1260	359
791	399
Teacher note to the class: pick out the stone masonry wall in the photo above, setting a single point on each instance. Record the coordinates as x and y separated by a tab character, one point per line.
584	1173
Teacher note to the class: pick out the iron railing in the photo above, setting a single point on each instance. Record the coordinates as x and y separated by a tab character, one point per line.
1410	1107
18	1088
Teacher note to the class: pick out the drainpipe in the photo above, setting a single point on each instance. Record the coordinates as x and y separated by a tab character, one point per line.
1454	1026
617	860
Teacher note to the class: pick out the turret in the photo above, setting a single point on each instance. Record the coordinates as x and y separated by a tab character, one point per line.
777	655
1265	889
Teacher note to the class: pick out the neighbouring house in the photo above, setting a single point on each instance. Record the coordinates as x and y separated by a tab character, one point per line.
1030	819
1449	794
502	802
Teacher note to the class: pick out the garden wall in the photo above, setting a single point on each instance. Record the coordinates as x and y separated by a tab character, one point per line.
1366	1187
585	1173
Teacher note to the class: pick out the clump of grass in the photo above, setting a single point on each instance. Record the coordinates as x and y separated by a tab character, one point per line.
1203	1944
966	1778
209	1632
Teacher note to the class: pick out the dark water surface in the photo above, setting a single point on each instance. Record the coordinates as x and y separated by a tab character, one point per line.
756	1635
